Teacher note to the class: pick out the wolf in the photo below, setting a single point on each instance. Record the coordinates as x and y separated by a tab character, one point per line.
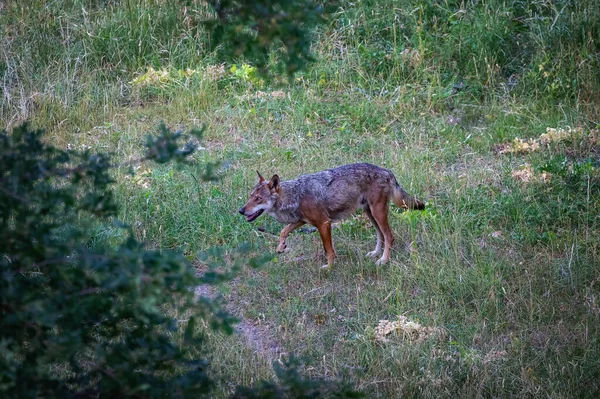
328	196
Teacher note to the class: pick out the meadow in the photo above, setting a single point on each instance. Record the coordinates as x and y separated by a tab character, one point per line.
486	110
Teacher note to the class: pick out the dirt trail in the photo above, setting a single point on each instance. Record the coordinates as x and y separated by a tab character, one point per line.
259	335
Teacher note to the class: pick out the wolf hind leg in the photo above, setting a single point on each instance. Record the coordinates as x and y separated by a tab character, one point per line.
324	229
378	246
380	211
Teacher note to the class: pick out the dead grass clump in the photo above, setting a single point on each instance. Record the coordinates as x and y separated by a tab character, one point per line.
552	136
519	146
406	329
526	175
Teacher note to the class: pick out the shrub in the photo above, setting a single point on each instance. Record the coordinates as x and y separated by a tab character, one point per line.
83	321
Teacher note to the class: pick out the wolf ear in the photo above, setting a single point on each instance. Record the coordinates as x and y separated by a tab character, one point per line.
274	183
260	178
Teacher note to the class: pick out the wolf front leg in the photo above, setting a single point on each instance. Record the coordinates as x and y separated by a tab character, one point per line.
325	232
286	232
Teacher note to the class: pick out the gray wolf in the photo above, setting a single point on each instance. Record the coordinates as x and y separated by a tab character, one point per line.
331	195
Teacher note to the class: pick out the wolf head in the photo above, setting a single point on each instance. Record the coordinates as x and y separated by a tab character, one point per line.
262	198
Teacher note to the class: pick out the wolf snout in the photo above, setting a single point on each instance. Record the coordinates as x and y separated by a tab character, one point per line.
242	210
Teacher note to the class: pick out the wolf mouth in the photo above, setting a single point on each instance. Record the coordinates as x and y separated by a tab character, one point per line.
256	214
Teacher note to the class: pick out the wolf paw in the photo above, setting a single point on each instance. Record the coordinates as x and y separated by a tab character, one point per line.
381	261
372	254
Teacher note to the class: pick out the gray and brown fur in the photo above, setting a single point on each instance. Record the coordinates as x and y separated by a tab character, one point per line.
328	196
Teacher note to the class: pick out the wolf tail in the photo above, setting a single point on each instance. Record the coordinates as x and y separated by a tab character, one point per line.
404	200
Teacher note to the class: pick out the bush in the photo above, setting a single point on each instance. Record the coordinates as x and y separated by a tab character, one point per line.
83	321
256	28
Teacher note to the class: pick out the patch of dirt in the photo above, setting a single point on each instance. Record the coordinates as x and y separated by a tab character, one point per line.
259	335
206	291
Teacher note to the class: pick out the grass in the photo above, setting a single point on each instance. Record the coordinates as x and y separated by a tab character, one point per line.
506	267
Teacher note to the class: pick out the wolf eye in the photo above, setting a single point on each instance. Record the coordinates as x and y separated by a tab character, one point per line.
258	198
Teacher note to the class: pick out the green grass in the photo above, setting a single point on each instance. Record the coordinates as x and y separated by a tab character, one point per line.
509	270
